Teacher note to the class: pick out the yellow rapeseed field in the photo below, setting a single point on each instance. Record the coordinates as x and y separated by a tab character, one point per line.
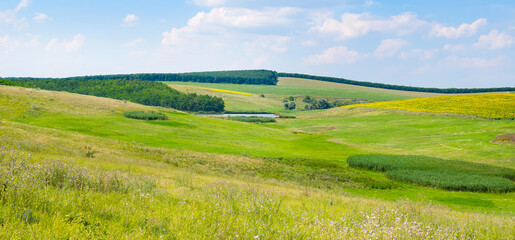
227	91
495	106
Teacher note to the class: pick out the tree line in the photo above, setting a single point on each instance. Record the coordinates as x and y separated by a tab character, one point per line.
256	77
144	92
397	87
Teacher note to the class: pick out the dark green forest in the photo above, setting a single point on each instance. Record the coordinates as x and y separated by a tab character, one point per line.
144	92
397	87
256	77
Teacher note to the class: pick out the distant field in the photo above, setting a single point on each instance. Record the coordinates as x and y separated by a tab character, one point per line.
496	106
273	95
288	81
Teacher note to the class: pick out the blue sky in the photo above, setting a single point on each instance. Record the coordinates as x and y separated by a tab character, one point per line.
416	43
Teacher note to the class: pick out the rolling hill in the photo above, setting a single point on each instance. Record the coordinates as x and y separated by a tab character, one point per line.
74	166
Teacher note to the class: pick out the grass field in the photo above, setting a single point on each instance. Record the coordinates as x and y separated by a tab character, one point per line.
198	177
494	106
387	131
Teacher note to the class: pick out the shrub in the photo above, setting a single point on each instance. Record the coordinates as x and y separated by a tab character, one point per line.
145	115
445	174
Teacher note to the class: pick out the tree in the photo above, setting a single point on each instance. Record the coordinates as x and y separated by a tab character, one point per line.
323	104
290	106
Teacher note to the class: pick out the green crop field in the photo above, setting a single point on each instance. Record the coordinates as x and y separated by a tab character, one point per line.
72	166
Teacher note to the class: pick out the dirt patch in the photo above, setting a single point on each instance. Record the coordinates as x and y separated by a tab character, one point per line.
505	138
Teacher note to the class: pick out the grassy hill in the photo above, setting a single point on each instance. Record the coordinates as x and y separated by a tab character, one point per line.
93	173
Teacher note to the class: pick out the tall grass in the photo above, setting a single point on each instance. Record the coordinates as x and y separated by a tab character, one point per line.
445	174
207	207
145	115
253	119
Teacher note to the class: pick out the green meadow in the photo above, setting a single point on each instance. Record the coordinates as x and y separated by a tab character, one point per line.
74	167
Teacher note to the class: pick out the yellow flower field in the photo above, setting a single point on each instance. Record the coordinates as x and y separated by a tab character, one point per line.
227	91
496	106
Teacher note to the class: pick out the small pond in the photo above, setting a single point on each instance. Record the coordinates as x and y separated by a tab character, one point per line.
269	115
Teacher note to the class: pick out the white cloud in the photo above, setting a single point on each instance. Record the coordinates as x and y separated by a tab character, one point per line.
130	20
41	17
21	5
355	25
454	48
134	43
454	61
208	3
338	55
495	40
9	17
273	43
389	47
464	29
75	44
9	44
219	19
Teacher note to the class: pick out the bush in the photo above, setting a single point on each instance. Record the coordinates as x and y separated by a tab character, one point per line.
145	115
445	174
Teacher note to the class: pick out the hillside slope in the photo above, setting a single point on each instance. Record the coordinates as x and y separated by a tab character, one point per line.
93	173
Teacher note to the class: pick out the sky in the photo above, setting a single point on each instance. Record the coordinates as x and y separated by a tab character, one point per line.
416	43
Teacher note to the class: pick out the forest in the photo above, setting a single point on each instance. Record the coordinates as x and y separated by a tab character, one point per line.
256	77
144	92
397	87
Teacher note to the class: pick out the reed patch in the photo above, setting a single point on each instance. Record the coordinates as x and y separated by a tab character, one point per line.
440	173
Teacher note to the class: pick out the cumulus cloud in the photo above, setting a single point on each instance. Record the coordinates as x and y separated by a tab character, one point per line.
41	17
353	25
219	19
389	47
23	4
338	55
495	40
70	46
464	29
130	20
